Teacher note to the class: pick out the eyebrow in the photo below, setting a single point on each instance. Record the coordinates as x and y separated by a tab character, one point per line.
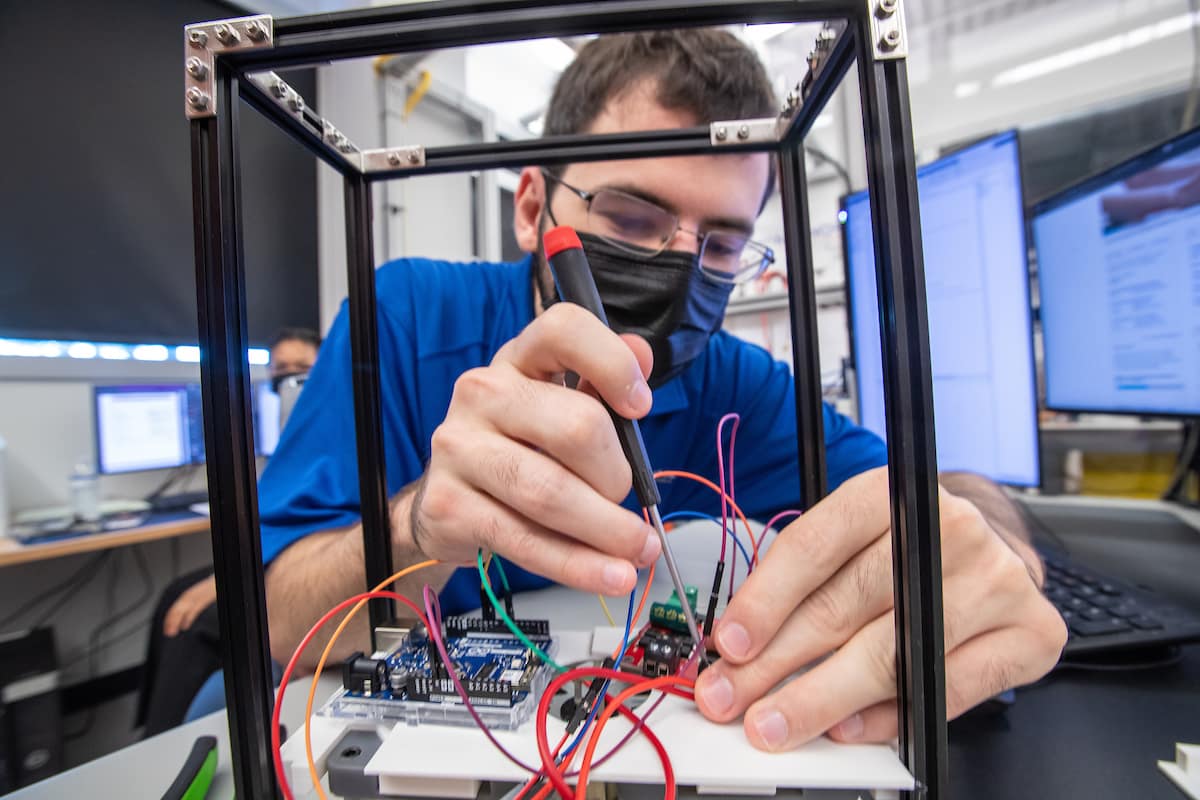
708	223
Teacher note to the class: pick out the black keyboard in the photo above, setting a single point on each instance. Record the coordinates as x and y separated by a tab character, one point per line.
1105	615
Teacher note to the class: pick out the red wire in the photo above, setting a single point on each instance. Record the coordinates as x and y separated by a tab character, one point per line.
553	773
277	756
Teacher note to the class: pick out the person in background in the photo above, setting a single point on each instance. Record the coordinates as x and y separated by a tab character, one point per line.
184	649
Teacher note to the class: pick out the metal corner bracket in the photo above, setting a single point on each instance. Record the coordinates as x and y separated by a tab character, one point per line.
746	131
889	32
202	42
388	159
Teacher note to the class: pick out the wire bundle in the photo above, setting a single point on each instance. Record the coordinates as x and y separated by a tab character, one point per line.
555	768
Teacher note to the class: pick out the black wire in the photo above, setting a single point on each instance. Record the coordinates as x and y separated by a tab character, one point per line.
88	569
1187	457
821	155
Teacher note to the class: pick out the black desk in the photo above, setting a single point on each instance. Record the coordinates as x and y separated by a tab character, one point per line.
1095	735
1089	735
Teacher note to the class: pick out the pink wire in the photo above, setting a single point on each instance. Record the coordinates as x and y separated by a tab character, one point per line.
779	516
434	610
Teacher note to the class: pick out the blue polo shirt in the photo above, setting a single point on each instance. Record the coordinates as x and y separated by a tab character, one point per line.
439	319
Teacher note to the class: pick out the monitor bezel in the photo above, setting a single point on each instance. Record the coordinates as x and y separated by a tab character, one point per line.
843	213
1150	157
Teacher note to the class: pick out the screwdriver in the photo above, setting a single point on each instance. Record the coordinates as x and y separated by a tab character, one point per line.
573	277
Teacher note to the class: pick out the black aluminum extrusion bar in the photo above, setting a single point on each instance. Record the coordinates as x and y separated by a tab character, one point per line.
305	136
229	442
368	414
908	395
457	23
802	307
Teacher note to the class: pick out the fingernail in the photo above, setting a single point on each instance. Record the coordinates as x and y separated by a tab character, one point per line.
639	395
733	641
717	694
616	577
772	729
851	728
650	550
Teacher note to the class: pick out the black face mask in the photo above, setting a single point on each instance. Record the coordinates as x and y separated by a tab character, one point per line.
663	298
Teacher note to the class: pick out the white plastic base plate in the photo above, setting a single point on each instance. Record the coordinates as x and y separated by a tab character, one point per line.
704	754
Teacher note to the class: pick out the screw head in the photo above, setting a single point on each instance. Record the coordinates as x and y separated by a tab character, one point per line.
722	134
256	30
393	159
279	88
295	102
891	39
197	68
196	98
744	132
886	8
197	38
414	157
225	33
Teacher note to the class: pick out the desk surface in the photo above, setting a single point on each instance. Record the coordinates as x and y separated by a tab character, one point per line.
176	524
1074	734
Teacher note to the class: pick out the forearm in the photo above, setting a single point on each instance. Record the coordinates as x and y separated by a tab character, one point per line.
323	569
999	511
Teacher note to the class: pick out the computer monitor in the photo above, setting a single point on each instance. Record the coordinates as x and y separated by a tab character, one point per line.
1118	259
977	290
147	427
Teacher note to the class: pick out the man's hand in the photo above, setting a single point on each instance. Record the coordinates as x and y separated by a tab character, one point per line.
183	612
825	587
529	469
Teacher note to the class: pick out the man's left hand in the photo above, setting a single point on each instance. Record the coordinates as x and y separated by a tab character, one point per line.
825	588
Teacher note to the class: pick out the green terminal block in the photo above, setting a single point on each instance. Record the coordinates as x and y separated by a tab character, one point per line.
670	615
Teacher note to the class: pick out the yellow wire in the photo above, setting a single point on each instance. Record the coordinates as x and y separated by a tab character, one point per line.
312	690
418	93
607	614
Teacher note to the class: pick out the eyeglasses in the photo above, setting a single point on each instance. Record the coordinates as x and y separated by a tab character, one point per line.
643	228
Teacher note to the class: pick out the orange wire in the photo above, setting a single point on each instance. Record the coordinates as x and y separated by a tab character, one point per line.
606	715
676	473
312	689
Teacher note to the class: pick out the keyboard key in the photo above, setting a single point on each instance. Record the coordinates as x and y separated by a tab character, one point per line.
1077	603
1099	627
1145	622
1085	591
1067	580
1106	600
1108	588
1093	613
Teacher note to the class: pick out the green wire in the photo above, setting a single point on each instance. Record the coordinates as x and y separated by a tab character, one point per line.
512	626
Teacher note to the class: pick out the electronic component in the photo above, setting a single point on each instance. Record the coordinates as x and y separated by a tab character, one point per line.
503	678
671	614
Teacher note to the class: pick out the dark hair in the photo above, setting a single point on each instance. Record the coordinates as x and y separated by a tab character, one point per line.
306	335
707	72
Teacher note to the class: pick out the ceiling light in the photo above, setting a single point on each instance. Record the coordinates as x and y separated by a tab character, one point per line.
1098	49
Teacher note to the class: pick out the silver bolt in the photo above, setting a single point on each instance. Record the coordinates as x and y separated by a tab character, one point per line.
345	146
722	134
197	38
414	157
744	132
393	159
295	102
196	98
891	39
226	34
280	88
256	30
197	69
886	8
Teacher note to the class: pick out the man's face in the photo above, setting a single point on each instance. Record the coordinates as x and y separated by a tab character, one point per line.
706	192
292	357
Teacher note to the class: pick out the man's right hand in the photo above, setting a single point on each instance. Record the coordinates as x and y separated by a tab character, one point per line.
531	470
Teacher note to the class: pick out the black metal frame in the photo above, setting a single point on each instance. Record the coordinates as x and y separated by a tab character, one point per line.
456	23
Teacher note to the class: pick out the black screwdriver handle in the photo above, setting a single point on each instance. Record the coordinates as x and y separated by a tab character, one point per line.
573	277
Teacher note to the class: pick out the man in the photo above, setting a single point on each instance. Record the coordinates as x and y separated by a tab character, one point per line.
184	648
293	352
486	448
